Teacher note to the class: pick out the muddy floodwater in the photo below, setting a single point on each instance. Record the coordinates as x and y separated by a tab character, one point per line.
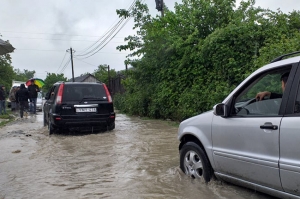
139	159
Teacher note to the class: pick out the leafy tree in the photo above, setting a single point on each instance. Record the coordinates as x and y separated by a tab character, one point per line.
6	71
51	79
102	73
192	58
23	76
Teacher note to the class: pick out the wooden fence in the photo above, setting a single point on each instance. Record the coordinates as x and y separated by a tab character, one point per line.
115	85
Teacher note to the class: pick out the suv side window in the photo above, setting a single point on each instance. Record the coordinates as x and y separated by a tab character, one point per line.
246	104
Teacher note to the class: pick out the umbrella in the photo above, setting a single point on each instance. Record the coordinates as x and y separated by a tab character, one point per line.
39	82
5	47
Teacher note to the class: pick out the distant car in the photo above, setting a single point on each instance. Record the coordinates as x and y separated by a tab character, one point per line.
249	141
39	102
79	105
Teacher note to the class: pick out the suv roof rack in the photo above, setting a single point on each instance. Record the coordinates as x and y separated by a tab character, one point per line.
282	56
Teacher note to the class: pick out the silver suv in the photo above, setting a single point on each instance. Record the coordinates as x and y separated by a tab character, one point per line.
252	138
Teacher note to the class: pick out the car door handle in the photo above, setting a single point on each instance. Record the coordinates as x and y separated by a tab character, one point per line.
269	125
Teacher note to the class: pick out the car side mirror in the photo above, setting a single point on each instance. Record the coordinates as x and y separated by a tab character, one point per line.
220	110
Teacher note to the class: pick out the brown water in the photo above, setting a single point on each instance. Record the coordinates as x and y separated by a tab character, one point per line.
139	159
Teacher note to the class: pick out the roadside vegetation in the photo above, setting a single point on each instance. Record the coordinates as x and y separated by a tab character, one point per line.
7	118
192	58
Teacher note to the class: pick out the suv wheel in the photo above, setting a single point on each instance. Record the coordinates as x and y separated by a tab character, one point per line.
111	126
45	122
50	127
194	163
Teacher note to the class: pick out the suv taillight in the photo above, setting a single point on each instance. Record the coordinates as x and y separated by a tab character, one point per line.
107	93
60	94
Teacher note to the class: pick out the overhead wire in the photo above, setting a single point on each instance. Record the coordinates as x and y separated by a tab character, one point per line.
51	34
108	40
65	66
58	39
61	62
108	33
84	61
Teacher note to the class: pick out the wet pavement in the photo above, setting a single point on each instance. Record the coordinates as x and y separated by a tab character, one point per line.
139	159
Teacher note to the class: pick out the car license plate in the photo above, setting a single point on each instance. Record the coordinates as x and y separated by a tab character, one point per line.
84	110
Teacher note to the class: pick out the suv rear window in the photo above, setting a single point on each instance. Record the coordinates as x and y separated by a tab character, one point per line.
77	92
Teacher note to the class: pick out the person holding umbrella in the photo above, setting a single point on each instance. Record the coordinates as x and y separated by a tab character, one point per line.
33	89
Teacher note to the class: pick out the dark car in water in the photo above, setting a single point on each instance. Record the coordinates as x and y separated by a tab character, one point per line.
79	106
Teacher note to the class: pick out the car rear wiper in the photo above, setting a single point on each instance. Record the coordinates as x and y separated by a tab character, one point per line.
92	99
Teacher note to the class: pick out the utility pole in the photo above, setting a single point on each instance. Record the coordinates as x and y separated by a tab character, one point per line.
160	6
71	51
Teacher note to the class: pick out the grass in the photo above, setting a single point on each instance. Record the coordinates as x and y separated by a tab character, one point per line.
8	117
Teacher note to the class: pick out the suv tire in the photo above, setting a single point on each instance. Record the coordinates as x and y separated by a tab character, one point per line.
194	163
45	122
51	129
111	126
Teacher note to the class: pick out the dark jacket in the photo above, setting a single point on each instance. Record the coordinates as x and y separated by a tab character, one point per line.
33	90
22	95
2	94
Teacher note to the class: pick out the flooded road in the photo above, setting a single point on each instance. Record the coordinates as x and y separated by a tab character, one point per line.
139	159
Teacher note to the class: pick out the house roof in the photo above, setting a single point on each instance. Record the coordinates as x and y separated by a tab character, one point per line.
82	78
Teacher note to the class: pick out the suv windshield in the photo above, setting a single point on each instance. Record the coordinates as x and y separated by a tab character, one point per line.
77	92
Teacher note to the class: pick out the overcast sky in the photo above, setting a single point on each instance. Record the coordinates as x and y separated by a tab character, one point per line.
42	31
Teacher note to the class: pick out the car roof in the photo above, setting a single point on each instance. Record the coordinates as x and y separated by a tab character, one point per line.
278	64
79	83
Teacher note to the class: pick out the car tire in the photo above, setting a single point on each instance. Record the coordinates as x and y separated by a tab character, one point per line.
194	163
111	126
51	129
45	122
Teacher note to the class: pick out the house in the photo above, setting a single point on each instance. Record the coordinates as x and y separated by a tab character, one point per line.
85	78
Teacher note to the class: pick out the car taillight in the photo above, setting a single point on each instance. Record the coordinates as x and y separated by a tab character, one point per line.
60	94
107	93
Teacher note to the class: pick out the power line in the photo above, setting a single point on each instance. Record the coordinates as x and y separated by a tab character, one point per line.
59	39
51	34
62	61
84	61
65	66
65	50
108	33
108	40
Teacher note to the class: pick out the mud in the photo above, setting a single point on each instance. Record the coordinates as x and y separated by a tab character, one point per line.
139	159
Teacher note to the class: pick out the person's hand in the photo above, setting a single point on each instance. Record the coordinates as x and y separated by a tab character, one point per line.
260	96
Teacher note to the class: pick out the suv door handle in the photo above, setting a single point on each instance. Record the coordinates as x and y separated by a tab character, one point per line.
269	125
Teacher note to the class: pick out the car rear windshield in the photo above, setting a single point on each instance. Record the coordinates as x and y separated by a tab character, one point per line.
78	92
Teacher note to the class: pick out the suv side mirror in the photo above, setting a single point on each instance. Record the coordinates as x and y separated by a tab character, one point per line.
220	110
